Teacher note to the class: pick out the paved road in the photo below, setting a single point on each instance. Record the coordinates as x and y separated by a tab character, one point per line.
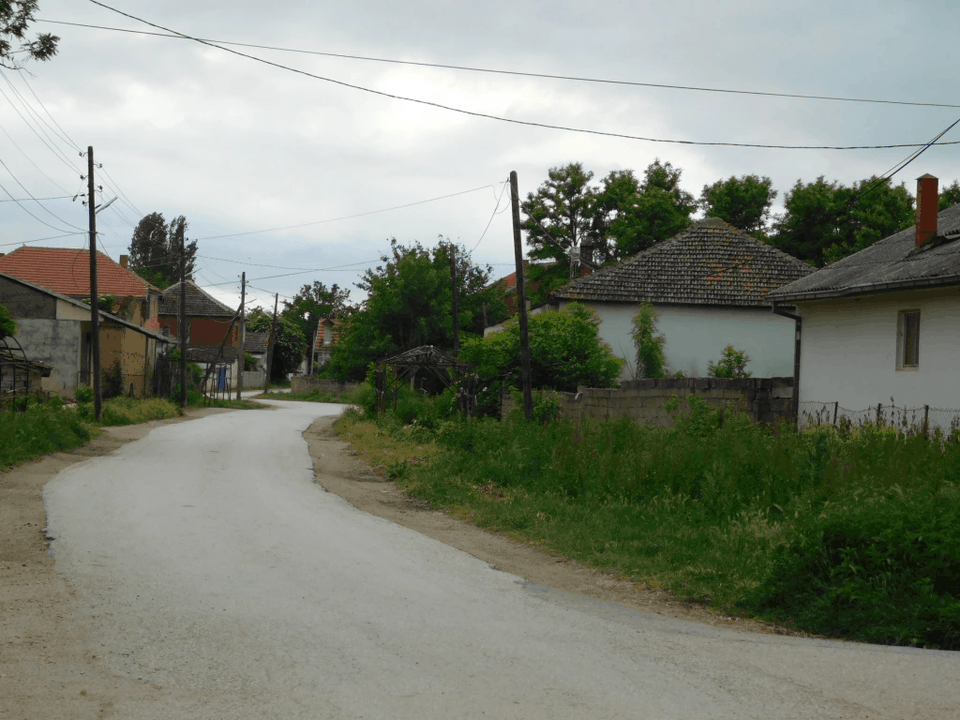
209	566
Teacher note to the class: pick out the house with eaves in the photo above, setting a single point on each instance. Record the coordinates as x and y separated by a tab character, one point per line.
212	330
882	326
708	286
64	273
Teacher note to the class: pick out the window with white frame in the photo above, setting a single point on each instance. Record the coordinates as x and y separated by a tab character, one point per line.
908	340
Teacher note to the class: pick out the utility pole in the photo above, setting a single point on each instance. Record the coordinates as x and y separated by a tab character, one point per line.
456	311
94	297
182	323
243	332
270	342
521	301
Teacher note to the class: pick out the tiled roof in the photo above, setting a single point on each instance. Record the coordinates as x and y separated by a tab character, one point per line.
211	354
709	263
67	271
256	342
889	264
199	303
334	333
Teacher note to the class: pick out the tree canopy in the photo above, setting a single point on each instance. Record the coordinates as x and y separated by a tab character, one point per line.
825	221
155	250
8	326
949	195
16	17
410	303
289	343
314	302
743	201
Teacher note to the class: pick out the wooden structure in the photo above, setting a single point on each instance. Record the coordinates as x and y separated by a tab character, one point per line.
447	369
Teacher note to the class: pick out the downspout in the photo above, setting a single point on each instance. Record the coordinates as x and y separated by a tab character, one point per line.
795	402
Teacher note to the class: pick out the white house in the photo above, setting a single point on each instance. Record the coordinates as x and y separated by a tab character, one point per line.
708	286
882	326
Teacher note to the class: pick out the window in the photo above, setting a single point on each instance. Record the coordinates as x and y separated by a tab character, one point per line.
908	340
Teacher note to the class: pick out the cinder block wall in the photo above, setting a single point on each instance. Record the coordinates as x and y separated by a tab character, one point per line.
766	400
303	384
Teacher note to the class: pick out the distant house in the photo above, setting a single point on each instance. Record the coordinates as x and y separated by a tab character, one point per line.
257	344
56	330
708	286
884	323
66	273
328	335
213	333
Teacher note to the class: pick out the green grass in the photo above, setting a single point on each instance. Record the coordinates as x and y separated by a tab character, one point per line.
42	428
851	534
133	411
315	395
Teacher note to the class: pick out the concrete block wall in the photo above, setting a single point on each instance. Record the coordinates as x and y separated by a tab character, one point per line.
766	400
304	384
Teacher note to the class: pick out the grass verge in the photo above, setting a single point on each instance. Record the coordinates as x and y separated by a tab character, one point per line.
851	534
40	429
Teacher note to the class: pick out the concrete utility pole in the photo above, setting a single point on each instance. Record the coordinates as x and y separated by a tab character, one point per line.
456	311
270	343
243	331
521	301
182	323
94	297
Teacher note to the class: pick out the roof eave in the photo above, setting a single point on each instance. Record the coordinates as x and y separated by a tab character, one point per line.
914	283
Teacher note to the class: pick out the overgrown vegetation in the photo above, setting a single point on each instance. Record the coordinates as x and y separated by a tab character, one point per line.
852	533
39	429
315	395
651	360
732	364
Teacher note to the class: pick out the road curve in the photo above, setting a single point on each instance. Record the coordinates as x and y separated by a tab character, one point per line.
210	567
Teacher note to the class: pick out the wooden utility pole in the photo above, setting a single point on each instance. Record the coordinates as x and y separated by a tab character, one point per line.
182	323
94	297
243	330
270	343
521	301
456	311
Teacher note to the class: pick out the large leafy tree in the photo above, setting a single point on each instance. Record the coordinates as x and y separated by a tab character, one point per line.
633	215
289	343
8	326
825	221
155	250
314	302
15	19
410	303
744	202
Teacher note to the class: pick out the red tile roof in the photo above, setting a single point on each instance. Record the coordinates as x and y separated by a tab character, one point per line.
67	272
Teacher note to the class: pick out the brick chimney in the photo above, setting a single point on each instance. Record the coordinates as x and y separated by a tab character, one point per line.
927	198
124	260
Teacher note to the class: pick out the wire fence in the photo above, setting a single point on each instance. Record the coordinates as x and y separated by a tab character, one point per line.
923	420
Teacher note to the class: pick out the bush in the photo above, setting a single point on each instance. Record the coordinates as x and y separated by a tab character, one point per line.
651	360
130	411
733	364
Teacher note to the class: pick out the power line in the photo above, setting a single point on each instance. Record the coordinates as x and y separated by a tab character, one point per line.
58	197
516	73
488	116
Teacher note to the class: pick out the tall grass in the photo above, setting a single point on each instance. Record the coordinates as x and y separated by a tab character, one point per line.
39	429
853	534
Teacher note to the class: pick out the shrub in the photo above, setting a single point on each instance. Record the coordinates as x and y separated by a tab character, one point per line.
732	364
651	361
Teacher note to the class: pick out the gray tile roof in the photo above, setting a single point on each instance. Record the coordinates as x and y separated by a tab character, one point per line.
890	264
211	354
199	303
709	263
256	342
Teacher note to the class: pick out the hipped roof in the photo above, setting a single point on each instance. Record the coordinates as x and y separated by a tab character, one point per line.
894	263
199	303
709	263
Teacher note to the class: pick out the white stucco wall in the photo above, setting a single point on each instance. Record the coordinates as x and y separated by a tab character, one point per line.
849	351
697	335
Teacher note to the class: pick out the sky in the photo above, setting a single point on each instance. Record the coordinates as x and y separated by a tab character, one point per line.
302	174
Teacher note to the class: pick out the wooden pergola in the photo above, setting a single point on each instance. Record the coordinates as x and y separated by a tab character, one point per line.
407	364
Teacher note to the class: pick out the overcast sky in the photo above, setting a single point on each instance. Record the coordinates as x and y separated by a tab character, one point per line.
243	149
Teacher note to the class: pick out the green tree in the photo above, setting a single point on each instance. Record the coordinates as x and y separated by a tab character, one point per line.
559	214
634	216
314	302
651	361
565	351
15	17
8	326
949	196
743	202
410	303
289	343
825	221
155	250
